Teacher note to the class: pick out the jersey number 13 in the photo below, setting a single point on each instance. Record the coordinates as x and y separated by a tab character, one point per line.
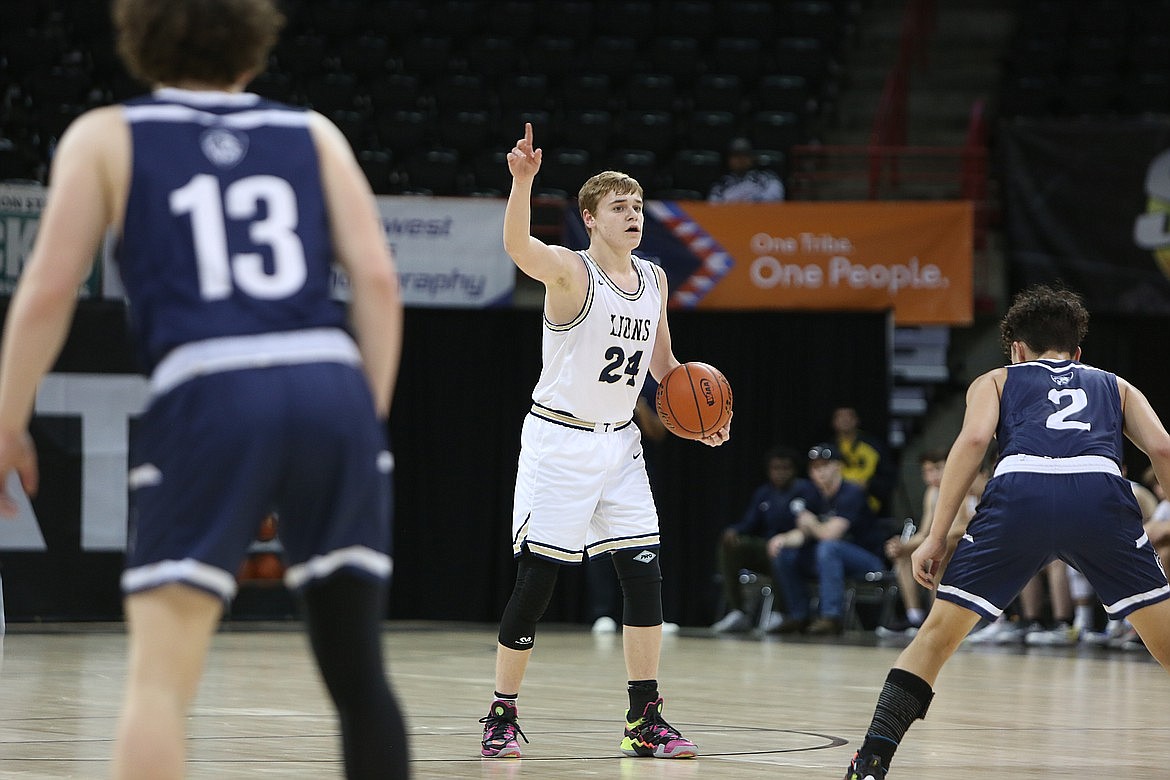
220	271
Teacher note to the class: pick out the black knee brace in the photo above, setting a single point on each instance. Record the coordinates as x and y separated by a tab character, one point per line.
535	580
641	579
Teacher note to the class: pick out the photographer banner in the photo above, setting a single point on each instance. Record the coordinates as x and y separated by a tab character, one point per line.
914	258
1088	203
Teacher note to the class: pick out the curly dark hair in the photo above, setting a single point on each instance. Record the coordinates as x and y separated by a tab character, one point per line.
1045	318
209	42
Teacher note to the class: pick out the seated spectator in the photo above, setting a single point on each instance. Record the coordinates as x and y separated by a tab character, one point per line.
744	182
836	537
744	545
900	548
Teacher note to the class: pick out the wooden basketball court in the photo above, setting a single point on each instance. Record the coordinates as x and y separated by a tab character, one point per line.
771	708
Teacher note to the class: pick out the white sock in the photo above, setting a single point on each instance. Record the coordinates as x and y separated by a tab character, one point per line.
1084	616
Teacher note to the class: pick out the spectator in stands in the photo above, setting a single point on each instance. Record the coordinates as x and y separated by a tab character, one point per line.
835	538
867	462
900	548
1156	525
744	181
748	543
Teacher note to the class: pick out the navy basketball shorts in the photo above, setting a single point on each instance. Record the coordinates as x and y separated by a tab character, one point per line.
581	492
1026	520
216	454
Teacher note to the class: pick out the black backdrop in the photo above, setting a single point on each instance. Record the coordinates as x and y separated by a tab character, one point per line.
464	388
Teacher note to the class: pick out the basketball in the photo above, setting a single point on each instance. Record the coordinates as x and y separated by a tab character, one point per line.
693	400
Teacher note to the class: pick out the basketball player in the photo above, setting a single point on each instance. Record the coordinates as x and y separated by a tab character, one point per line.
581	486
1057	492
229	212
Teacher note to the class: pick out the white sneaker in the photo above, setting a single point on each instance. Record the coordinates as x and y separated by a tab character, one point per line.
670	628
773	621
604	625
734	621
1001	632
1063	635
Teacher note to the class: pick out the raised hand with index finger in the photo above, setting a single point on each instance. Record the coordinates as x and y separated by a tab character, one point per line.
524	159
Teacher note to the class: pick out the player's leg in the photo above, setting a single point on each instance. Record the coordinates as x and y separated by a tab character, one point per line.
909	687
1153	626
344	614
647	733
169	629
997	556
536	578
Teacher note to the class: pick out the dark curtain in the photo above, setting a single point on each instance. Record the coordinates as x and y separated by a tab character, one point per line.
465	386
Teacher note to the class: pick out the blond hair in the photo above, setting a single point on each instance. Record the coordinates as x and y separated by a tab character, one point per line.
598	186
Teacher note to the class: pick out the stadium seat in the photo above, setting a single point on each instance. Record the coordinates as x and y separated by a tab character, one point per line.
434	170
651	92
653	131
718	92
696	169
711	130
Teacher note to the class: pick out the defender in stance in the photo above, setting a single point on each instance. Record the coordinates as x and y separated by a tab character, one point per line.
1057	492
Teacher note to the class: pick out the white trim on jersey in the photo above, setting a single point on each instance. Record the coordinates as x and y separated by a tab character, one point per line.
1067	364
986	605
1139	598
207	97
321	566
243	120
232	353
1036	464
187	570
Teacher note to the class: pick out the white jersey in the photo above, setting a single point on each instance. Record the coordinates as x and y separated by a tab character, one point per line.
595	364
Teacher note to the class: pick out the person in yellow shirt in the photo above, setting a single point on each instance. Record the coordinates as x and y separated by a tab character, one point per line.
866	461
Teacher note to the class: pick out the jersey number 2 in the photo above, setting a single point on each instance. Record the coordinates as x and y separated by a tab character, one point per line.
1060	419
219	270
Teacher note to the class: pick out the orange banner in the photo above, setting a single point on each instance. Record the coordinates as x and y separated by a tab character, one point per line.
912	257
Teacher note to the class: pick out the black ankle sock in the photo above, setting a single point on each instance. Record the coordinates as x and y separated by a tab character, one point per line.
904	699
642	692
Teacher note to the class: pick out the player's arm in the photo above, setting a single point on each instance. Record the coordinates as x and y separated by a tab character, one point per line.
1145	430
554	266
663	359
87	186
963	461
360	246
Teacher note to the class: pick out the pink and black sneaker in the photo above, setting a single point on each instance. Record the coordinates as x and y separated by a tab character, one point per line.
651	736
500	731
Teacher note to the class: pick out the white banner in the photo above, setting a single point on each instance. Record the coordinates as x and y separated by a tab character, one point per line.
450	251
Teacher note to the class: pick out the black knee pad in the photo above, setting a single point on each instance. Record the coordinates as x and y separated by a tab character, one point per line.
641	579
535	580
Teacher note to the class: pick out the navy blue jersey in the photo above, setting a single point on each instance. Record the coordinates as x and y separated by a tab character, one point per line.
1060	409
773	511
226	232
852	503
